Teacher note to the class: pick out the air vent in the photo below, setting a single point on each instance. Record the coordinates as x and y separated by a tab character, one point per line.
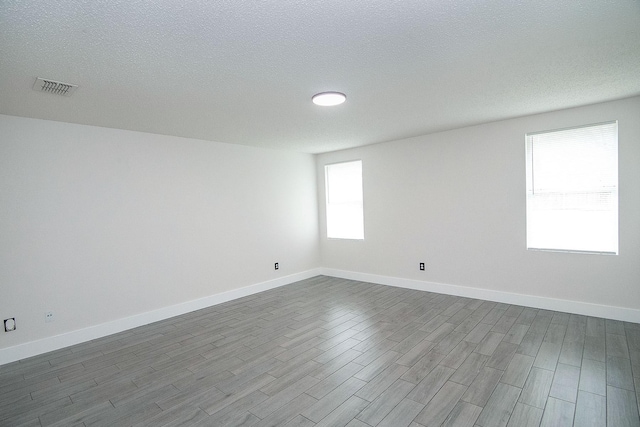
52	86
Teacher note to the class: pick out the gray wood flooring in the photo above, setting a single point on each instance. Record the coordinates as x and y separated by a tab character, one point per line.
334	352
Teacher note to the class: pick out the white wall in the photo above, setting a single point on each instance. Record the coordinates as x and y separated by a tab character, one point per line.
456	200
100	224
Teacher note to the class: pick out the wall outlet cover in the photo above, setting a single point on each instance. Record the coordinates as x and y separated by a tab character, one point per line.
10	324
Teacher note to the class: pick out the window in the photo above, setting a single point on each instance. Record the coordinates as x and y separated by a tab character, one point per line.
343	185
572	189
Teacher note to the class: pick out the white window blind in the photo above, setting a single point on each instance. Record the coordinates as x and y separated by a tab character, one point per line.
343	185
572	189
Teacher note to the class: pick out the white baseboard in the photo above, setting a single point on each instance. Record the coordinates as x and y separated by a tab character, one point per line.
576	307
44	345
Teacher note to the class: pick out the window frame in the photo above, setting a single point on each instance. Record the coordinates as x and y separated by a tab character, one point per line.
530	189
359	204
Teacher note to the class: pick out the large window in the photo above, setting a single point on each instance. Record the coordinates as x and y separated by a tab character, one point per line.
343	184
572	189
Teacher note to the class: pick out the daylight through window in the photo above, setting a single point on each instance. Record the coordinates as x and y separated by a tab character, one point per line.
343	185
572	189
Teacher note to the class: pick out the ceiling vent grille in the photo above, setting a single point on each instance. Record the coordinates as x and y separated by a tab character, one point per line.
54	87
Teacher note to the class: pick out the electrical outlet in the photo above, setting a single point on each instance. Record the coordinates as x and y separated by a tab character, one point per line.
10	324
422	266
48	316
277	266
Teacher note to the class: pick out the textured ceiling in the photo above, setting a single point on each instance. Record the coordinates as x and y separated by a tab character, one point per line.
243	72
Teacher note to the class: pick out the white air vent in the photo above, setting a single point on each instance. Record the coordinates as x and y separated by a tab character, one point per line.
52	86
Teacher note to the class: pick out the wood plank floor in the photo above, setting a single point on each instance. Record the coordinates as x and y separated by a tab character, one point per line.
334	352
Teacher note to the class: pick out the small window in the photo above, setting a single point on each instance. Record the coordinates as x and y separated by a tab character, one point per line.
343	184
572	189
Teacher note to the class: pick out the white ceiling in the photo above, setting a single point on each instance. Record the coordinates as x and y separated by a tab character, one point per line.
241	71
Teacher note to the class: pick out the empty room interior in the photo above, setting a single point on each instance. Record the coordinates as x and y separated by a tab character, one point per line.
320	213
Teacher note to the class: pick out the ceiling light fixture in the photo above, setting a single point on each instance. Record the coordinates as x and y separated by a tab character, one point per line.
329	99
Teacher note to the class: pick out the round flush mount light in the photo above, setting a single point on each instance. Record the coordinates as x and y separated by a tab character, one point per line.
329	99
